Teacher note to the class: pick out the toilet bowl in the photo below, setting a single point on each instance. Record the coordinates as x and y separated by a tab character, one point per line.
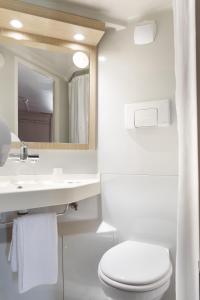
135	271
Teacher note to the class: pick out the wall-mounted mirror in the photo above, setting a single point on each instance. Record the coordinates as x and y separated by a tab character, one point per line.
45	94
53	93
48	75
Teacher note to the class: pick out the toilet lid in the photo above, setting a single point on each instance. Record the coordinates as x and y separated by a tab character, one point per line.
136	263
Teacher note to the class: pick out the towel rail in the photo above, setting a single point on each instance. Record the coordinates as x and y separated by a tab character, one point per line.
73	205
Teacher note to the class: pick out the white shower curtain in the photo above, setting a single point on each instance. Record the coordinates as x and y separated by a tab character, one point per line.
79	109
187	275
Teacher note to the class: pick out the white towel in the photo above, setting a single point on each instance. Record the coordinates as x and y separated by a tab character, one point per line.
34	250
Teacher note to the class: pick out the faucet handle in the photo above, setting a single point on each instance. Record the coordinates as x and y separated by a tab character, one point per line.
33	157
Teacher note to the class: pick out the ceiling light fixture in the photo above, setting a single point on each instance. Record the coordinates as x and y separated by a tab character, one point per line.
79	37
17	36
81	60
16	24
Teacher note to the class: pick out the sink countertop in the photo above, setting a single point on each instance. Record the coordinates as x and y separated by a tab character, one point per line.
30	183
34	191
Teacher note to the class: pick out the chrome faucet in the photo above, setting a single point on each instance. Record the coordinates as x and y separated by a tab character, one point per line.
23	155
23	151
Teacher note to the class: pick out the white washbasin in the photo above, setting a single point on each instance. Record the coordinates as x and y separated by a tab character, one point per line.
25	183
32	191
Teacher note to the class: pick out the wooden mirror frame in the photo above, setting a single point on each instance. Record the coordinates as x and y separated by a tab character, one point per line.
33	40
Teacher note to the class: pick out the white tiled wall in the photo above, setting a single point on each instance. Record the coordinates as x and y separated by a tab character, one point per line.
141	207
130	74
139	167
81	256
71	162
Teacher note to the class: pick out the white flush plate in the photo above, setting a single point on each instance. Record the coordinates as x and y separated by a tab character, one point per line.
147	114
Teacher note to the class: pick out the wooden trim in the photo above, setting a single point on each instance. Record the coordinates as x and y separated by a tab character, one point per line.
93	101
40	42
48	22
40	11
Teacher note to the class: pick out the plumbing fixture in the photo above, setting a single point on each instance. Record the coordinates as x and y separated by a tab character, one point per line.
23	155
68	206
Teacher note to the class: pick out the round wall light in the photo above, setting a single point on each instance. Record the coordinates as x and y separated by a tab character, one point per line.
16	24
2	61
81	60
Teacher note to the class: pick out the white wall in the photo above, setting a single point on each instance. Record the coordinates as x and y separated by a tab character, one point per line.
71	161
136	73
138	168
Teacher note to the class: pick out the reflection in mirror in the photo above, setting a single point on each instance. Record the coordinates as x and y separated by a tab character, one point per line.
45	94
35	105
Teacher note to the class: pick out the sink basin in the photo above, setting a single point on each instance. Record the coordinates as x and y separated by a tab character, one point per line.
24	183
32	191
59	182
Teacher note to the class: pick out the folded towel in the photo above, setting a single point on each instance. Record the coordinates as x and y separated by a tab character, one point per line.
34	250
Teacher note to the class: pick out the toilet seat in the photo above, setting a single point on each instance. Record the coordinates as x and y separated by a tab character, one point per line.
134	288
135	266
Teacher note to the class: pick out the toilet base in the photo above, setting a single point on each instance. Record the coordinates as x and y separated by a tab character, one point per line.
117	294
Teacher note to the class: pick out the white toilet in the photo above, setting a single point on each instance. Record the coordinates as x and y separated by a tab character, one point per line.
135	271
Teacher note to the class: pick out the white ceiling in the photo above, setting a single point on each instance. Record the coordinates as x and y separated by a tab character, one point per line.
56	63
61	63
123	10
116	11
